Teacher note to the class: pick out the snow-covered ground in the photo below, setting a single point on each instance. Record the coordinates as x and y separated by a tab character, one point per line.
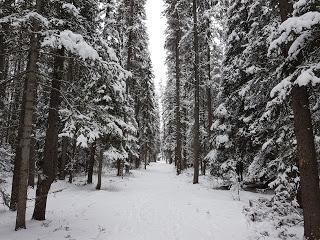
149	205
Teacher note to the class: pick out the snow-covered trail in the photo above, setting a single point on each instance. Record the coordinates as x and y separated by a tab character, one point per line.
153	205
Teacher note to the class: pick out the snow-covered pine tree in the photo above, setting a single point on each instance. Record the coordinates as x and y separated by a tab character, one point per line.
296	41
174	32
59	39
136	56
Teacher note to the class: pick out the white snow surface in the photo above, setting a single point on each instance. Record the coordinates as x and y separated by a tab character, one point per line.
73	42
148	205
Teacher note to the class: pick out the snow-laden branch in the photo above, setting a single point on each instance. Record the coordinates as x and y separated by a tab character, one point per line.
72	42
296	30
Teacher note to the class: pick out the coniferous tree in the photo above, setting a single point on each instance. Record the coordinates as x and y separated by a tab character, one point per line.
298	71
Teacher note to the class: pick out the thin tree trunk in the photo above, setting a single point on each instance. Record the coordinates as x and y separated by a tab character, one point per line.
145	156
71	160
2	77
307	160
49	163
63	158
184	158
26	128
65	140
196	134
178	147
17	160
3	61
130	45
209	99
91	163
209	108
121	167
32	161
12	139
118	167
100	161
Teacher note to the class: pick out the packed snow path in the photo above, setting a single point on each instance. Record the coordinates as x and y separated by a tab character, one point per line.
151	205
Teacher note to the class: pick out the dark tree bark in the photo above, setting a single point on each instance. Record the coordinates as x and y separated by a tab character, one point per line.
137	163
307	159
145	157
32	161
63	158
71	160
209	100
2	71
100	161
49	162
209	108
33	143
28	105
178	148
130	41
91	163
119	168
170	158
15	106
196	133
184	158
308	165
65	141
4	28
17	160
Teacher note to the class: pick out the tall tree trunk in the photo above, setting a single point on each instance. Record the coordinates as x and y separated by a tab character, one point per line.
91	162
6	6
130	39
178	149
196	133
49	162
71	160
184	158
100	161
16	140
32	161
308	165
28	106
4	30
209	96
17	159
15	106
145	157
63	158
307	160
2	78
69	77
119	168
209	107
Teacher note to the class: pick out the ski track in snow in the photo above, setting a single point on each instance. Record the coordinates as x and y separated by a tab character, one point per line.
150	205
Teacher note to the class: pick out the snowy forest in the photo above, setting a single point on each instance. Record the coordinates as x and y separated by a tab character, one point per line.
228	149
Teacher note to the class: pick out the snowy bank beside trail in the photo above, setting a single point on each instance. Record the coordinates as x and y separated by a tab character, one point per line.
265	221
154	204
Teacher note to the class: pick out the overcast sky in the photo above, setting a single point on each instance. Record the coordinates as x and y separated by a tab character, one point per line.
156	27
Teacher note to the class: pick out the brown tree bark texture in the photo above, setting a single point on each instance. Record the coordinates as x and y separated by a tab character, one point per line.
307	160
49	163
196	133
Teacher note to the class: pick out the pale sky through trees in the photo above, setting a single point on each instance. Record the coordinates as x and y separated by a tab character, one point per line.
156	25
